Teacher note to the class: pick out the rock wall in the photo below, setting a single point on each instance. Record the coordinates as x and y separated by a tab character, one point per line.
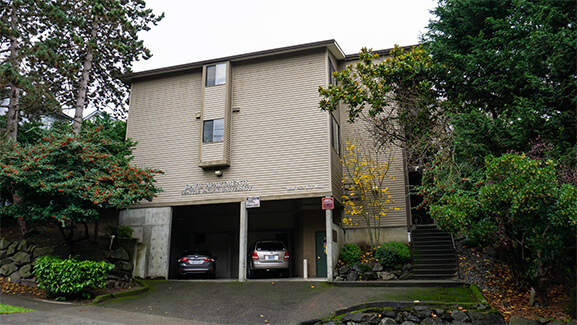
377	272
17	262
420	314
429	315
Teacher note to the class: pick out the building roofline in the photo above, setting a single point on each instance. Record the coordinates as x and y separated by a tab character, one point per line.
353	57
331	45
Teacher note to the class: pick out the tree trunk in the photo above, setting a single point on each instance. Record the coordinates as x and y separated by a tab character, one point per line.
83	84
542	295
17	199
14	94
95	235
63	233
14	106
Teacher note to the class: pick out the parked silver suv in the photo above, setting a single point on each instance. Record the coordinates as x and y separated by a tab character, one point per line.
268	256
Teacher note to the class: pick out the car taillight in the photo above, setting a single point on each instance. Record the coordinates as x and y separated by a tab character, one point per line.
286	255
254	256
183	260
208	260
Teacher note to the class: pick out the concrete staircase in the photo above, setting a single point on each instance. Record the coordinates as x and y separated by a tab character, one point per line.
434	256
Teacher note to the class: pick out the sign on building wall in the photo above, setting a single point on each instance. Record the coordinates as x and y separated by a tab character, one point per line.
217	187
328	203
253	202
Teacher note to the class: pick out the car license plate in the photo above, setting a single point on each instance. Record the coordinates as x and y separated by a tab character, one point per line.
195	262
270	257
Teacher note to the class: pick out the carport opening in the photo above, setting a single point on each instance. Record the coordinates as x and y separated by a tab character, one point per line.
216	228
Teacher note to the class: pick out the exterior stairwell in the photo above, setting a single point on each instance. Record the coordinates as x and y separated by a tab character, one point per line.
434	256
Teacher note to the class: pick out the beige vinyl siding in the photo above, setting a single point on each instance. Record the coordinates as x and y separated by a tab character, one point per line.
336	176
162	120
336	162
214	102
212	151
278	139
213	108
279	129
396	187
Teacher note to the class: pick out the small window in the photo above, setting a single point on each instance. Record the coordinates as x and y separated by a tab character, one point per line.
332	79
335	135
213	130
216	75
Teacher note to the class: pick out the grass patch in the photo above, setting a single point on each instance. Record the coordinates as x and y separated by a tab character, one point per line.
9	309
432	294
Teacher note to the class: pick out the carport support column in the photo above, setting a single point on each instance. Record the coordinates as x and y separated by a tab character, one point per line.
242	244
329	233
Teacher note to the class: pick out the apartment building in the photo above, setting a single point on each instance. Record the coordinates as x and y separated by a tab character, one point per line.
247	155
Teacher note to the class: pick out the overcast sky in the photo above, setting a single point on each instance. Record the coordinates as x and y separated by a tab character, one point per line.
195	30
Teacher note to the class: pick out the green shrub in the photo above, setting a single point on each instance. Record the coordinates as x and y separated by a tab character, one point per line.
121	231
350	253
124	232
69	277
392	253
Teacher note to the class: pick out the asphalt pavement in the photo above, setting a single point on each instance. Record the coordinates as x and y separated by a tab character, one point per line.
265	301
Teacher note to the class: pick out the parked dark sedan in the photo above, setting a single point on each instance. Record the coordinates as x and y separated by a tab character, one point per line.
197	261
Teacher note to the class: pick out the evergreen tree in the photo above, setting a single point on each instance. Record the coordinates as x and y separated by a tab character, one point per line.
98	42
513	69
22	88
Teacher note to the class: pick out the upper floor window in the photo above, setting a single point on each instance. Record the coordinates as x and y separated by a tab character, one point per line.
216	74
213	130
335	135
332	80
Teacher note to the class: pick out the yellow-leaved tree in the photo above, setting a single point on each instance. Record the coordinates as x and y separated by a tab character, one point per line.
367	199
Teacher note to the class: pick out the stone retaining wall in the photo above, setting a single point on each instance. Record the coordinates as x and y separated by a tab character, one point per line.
427	315
17	262
377	272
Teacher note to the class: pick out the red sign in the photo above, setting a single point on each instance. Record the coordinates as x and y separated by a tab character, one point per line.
328	203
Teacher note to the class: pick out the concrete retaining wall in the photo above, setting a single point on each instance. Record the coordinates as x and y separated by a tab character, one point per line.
152	227
360	236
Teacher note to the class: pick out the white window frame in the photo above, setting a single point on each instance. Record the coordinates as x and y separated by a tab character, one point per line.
209	128
335	135
215	75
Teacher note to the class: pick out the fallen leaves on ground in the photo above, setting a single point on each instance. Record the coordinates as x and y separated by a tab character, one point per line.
10	288
496	283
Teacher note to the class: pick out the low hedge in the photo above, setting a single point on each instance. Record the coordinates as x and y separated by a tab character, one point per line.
66	278
392	253
350	253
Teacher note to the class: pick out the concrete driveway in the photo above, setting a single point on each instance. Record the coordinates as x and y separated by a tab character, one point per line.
266	301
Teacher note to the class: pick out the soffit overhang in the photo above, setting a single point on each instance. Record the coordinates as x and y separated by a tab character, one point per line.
330	45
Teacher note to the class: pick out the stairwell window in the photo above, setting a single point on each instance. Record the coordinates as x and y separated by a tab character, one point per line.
213	131
332	79
335	135
216	74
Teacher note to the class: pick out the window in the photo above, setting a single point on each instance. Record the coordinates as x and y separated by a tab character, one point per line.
213	130
216	74
335	135
332	80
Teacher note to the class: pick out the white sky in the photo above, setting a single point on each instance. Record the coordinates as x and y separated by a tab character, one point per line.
195	30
